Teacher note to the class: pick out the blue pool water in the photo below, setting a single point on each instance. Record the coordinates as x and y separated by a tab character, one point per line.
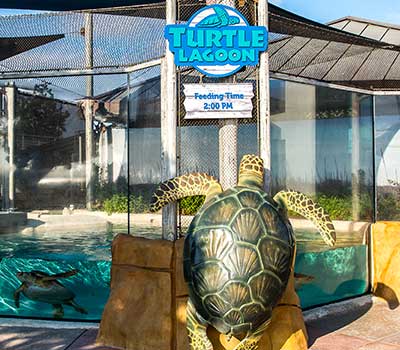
338	273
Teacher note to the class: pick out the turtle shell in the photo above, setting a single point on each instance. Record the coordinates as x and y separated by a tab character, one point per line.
238	254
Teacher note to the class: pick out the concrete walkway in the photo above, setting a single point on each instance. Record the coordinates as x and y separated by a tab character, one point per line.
369	324
362	324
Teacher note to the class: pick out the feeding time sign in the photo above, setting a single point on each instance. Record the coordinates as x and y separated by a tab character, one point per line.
217	41
218	101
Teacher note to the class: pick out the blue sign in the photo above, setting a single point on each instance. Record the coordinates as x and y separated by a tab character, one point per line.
217	41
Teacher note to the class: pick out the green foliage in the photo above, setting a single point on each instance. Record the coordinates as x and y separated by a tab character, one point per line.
338	208
118	203
40	114
191	205
388	206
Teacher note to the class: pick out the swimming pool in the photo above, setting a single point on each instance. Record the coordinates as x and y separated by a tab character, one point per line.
336	273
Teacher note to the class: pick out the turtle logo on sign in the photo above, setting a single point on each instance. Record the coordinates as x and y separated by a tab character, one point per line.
217	41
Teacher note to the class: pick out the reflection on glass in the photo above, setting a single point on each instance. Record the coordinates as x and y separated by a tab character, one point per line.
321	142
387	160
57	264
144	149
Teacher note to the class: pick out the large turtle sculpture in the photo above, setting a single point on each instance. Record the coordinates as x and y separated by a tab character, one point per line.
40	286
239	251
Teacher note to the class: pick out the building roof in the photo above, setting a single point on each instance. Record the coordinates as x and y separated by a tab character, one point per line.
349	64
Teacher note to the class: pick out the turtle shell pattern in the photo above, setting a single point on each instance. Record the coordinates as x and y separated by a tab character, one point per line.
238	254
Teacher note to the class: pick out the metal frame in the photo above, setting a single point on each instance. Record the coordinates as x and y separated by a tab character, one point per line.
79	72
301	80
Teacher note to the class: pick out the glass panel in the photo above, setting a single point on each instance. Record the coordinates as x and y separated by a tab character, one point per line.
61	237
144	150
387	160
322	146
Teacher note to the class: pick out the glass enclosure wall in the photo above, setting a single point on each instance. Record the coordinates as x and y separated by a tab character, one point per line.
322	146
50	183
387	157
144	150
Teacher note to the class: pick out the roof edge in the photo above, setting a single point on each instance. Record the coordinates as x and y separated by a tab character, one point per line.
364	20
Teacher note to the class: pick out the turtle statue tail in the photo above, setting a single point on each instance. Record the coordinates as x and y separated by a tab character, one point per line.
251	171
194	184
305	206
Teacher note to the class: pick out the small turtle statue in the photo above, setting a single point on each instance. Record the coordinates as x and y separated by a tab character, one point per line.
40	286
239	251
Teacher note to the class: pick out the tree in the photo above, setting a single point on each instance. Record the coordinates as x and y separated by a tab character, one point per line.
40	114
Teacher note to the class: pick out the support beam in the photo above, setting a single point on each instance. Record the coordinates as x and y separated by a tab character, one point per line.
355	156
10	91
264	101
169	125
89	110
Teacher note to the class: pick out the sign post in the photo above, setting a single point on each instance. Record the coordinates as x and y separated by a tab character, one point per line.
264	104
168	125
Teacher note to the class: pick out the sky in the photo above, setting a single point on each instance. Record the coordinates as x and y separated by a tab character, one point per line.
324	10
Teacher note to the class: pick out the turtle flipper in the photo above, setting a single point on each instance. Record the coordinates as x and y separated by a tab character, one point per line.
301	279
17	294
306	207
194	184
61	275
77	307
58	311
197	330
251	341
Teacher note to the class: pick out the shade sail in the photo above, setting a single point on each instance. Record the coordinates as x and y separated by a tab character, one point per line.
62	5
10	47
128	35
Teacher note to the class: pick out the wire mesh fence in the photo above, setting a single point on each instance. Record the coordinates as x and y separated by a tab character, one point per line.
58	41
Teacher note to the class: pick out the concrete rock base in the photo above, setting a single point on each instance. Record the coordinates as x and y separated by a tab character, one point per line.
10	221
386	261
147	305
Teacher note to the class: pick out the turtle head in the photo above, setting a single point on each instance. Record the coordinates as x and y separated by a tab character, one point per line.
25	276
251	171
234	20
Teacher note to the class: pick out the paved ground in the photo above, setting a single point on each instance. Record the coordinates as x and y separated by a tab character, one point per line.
365	325
372	325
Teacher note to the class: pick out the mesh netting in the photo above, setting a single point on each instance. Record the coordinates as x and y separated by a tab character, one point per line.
125	36
118	40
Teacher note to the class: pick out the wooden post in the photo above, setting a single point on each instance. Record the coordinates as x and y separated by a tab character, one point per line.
168	126
89	110
264	104
11	144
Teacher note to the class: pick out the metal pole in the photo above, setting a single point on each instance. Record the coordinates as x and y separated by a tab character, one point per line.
355	158
264	104
11	143
374	169
169	125
89	110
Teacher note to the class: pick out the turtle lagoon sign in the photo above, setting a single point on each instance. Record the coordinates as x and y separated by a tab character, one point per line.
217	41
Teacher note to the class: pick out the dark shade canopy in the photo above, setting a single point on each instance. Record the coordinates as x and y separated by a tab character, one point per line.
62	5
13	46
